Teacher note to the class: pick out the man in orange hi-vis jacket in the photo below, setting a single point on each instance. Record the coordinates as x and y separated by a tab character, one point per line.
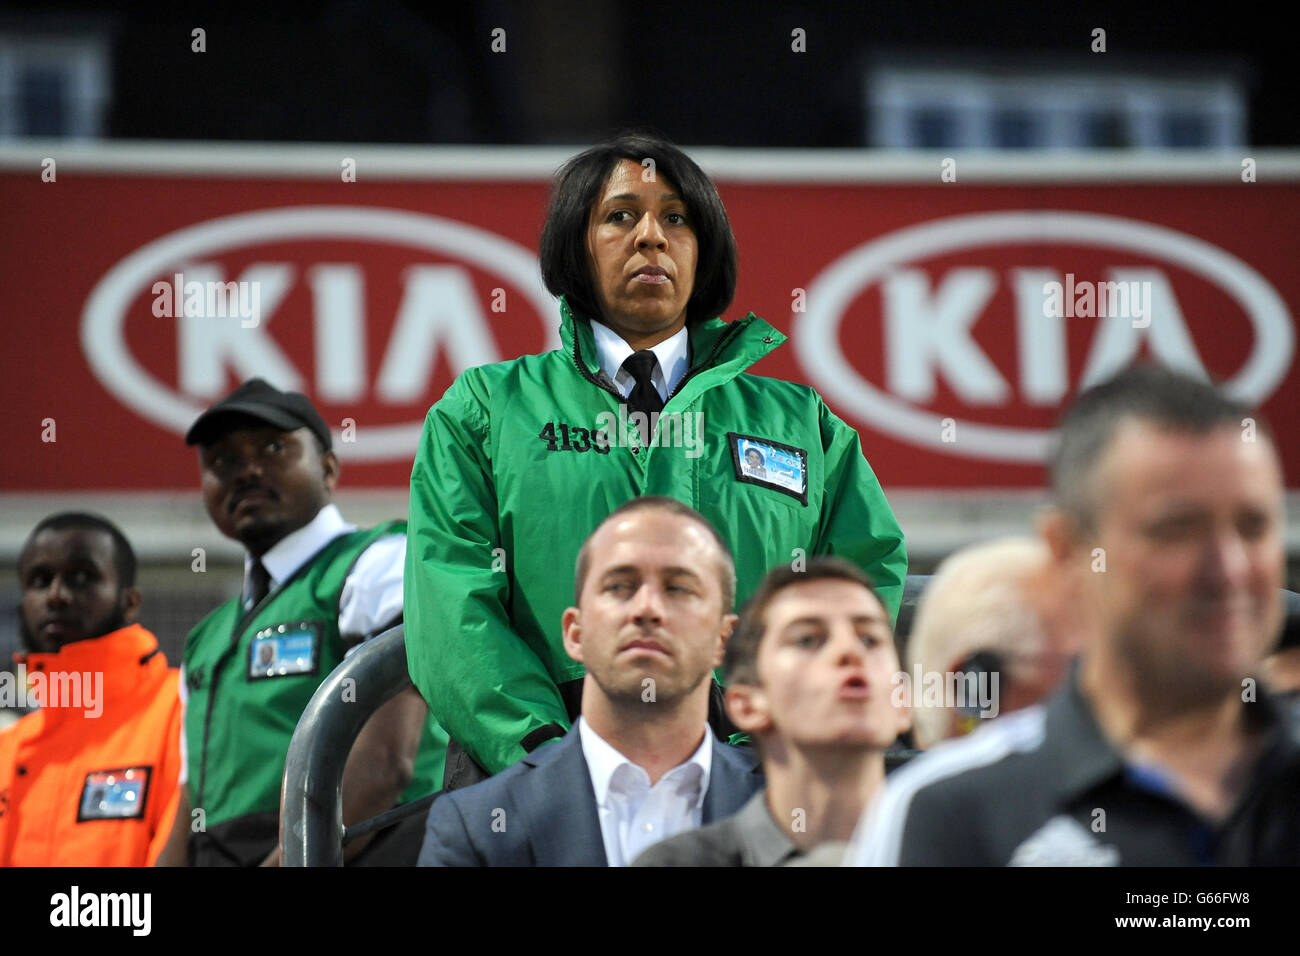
89	778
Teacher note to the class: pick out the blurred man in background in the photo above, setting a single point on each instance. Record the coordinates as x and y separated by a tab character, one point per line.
1161	748
88	779
809	678
994	613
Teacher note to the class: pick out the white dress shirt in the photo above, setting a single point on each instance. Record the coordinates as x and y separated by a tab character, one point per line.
633	814
612	351
372	592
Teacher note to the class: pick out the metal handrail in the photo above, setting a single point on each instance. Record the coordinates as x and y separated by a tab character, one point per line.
311	820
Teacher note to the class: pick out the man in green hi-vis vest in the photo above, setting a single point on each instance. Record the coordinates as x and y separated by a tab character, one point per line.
315	587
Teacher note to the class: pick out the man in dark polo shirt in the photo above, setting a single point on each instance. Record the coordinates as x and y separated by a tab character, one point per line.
1162	747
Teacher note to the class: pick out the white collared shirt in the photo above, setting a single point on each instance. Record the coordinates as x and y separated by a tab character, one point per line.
633	814
612	351
372	592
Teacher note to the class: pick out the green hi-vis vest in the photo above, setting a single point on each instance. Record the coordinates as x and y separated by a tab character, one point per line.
250	677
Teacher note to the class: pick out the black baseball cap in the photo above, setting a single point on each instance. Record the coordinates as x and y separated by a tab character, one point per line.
258	398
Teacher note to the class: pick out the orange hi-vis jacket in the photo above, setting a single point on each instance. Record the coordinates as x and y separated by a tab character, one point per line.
89	779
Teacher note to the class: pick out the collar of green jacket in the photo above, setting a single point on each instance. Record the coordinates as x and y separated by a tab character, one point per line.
719	350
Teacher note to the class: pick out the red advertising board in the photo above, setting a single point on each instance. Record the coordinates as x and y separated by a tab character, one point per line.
948	321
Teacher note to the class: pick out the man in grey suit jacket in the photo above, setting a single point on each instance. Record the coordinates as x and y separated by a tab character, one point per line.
810	675
542	811
654	588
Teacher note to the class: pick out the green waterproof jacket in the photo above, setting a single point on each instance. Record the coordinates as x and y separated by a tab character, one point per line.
519	461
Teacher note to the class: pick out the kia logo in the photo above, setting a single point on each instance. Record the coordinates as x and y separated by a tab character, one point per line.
927	332
439	309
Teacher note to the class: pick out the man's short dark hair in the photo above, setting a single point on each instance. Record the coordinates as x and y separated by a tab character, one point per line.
123	554
740	660
1170	400
565	258
672	506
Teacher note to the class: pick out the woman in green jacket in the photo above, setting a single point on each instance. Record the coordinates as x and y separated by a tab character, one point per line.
649	394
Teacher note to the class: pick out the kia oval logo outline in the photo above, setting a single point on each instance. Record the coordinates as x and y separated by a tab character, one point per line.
835	287
102	323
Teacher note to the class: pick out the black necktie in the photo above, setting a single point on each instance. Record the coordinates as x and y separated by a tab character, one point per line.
259	583
644	396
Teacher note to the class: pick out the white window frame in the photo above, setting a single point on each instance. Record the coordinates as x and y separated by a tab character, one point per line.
83	62
1058	104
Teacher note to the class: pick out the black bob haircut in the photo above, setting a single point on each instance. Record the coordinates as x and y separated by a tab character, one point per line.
123	554
565	260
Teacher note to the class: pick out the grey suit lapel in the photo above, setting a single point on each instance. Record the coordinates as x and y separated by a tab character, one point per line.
734	778
559	806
